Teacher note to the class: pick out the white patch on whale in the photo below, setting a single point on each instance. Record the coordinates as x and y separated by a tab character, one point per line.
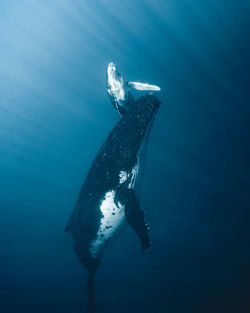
134	173
123	176
113	216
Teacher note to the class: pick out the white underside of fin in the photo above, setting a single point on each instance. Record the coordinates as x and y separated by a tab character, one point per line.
143	86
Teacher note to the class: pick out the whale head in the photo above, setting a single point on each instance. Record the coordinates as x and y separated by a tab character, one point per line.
115	84
117	90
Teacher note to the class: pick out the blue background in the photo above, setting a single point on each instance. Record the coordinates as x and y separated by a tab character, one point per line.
54	115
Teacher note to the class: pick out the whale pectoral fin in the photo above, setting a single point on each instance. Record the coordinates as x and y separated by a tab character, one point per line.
135	217
143	86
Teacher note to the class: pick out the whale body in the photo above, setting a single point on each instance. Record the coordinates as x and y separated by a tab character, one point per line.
107	199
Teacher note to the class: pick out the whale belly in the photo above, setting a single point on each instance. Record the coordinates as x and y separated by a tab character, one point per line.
113	216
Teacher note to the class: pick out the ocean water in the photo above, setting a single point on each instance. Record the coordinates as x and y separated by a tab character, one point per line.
55	114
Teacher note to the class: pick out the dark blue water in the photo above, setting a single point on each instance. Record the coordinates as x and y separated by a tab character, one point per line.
54	115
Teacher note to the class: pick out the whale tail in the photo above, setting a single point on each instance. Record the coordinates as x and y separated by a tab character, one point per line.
91	285
91	265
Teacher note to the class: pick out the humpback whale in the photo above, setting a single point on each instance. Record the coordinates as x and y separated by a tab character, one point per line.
107	199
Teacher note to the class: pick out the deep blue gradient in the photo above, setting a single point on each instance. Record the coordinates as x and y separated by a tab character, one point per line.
55	114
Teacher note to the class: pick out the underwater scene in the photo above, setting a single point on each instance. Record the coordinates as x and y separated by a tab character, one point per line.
124	156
